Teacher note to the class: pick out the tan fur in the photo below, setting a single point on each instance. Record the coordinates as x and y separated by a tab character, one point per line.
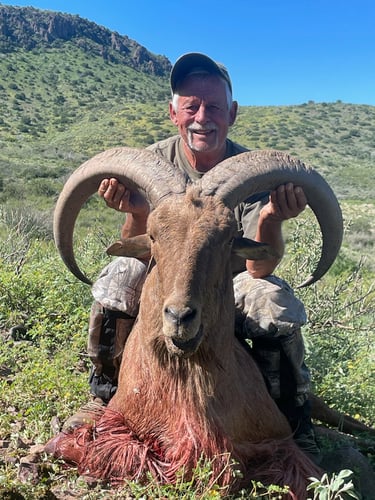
188	388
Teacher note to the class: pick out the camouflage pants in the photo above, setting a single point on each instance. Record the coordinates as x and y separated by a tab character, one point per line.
267	313
115	308
270	315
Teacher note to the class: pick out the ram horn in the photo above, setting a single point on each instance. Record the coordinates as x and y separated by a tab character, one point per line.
236	178
144	172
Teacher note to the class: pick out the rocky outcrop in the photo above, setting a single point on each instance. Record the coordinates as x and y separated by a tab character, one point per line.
30	29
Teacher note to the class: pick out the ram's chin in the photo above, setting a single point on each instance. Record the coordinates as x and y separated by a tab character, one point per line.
184	348
167	348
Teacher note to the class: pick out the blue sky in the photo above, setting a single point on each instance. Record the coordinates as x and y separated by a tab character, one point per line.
278	52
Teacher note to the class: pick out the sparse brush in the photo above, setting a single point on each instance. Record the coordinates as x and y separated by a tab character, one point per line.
45	376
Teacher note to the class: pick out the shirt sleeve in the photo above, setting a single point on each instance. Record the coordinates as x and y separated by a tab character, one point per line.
249	214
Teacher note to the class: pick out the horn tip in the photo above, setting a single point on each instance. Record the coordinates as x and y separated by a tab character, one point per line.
309	281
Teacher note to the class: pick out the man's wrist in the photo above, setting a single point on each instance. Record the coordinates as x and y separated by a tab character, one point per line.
269	219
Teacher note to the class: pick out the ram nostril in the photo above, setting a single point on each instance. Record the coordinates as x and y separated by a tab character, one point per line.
179	316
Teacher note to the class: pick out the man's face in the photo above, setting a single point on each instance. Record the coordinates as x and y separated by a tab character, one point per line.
202	115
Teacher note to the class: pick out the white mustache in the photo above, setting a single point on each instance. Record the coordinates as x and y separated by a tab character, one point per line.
199	128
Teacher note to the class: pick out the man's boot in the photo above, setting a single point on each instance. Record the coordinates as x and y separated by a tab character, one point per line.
108	331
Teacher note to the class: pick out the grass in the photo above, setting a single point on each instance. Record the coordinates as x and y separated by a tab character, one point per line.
61	104
43	371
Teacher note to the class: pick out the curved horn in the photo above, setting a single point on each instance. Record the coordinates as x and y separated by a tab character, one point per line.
236	178
142	171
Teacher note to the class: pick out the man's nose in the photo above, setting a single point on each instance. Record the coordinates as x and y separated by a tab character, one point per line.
201	114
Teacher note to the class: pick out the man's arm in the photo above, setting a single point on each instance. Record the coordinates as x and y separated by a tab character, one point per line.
286	202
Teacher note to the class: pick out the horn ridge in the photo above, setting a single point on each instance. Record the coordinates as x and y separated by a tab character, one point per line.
236	178
142	171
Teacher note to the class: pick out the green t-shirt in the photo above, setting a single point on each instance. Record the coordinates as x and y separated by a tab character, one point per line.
246	213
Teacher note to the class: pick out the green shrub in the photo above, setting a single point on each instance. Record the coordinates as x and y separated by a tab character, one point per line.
341	322
44	374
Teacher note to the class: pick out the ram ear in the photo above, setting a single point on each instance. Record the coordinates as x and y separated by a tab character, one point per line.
136	246
253	250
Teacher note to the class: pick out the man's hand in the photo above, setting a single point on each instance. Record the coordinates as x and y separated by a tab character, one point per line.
118	197
286	202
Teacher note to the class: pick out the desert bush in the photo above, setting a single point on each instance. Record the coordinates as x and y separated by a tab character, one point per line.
341	322
19	228
44	374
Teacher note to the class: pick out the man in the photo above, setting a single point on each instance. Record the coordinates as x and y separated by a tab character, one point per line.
202	109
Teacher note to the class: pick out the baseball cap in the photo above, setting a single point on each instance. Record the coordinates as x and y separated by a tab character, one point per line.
195	61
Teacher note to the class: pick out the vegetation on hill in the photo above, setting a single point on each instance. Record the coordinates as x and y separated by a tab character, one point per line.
70	89
336	138
63	101
33	29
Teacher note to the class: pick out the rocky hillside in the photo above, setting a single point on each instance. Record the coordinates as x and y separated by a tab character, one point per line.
70	88
33	29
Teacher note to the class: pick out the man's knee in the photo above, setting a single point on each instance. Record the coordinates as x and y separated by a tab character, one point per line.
266	306
268	313
117	292
120	284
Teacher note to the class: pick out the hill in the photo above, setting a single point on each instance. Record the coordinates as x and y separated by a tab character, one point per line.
71	88
33	29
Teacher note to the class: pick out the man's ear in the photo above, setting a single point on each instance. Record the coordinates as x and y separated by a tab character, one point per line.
172	114
233	113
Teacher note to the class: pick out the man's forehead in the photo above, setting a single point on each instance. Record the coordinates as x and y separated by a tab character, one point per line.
201	82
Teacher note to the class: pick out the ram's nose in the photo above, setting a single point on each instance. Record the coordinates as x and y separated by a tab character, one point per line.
179	316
